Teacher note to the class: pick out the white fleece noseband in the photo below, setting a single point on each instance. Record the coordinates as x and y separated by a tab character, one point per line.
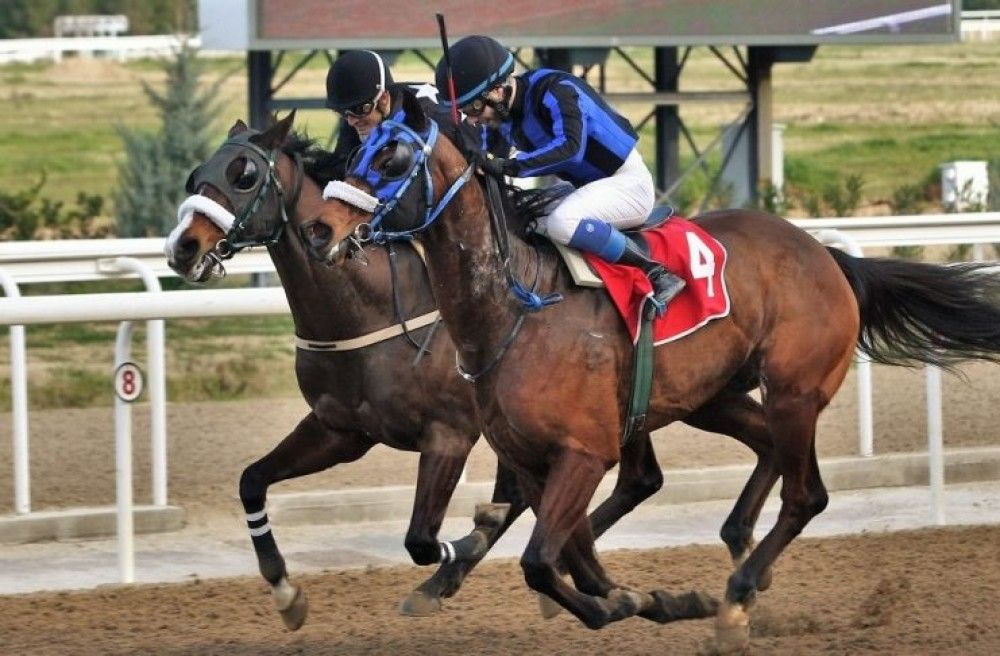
351	195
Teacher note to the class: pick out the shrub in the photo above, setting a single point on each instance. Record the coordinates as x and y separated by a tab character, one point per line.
152	175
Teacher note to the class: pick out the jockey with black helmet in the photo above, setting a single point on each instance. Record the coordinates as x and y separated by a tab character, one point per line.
562	127
360	88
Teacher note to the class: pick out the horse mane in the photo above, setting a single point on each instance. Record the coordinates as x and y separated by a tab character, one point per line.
524	207
317	162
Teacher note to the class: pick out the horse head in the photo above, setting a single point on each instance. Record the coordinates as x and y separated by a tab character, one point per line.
397	184
241	196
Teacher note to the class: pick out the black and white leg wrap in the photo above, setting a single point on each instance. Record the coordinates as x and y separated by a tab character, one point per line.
447	552
257	524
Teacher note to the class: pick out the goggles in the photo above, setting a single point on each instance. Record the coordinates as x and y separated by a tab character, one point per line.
362	110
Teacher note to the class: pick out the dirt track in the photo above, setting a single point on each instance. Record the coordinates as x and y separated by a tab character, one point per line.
924	592
929	592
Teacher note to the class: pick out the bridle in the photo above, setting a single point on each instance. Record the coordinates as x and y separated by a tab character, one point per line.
236	227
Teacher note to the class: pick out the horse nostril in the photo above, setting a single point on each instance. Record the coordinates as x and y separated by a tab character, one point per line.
319	234
187	249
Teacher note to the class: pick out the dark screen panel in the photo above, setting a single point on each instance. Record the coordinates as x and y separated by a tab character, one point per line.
356	23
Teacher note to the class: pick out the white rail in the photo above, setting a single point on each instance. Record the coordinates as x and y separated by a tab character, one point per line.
74	260
122	47
71	260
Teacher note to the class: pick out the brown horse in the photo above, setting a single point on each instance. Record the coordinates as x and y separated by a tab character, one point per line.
364	396
552	386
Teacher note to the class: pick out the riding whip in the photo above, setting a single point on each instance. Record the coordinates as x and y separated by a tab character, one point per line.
447	63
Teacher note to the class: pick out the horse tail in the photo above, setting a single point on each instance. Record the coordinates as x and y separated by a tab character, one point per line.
913	312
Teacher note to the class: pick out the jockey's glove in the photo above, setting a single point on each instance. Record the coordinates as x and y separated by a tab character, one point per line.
492	166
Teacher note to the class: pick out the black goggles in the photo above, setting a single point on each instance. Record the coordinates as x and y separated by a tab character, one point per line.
474	108
361	110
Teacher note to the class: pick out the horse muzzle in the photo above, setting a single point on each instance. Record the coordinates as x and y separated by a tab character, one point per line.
321	246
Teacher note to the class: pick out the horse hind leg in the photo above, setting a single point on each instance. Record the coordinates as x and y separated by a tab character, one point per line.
309	448
490	522
740	416
791	419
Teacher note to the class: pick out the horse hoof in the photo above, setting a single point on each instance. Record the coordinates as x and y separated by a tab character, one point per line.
732	629
491	515
291	603
548	607
420	604
628	603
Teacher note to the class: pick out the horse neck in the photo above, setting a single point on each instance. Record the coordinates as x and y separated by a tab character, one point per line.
333	303
468	277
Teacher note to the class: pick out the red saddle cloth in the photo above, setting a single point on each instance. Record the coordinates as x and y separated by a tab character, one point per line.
687	251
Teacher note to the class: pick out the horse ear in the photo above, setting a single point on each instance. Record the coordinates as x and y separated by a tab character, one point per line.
415	116
238	126
275	135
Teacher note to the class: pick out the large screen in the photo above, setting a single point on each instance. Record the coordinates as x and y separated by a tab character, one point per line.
600	23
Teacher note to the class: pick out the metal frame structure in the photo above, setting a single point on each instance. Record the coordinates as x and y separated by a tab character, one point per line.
751	66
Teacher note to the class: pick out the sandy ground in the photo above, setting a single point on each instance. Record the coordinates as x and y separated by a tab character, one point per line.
925	592
906	593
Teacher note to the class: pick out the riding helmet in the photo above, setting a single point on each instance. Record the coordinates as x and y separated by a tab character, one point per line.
478	63
355	78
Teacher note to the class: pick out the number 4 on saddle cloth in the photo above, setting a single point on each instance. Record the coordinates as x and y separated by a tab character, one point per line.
684	249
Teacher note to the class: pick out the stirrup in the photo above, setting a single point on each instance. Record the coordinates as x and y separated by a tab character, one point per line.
666	286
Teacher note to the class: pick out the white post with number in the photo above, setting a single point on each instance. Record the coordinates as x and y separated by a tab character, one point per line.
128	387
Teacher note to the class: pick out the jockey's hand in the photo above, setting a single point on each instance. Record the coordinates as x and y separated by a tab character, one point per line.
490	165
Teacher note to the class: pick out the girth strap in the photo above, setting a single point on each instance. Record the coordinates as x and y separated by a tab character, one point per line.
642	375
370	338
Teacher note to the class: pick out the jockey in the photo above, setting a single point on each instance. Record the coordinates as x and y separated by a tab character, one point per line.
359	87
562	127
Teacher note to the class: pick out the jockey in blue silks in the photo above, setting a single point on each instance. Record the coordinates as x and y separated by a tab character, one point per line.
561	126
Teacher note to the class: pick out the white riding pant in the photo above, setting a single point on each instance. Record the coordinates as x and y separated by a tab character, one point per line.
624	200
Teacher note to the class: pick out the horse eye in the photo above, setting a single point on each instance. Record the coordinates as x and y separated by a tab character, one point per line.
399	162
248	178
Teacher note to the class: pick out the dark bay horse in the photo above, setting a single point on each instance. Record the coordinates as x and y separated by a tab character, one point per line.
552	386
362	396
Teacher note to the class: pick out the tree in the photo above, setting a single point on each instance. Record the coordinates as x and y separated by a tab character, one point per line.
151	178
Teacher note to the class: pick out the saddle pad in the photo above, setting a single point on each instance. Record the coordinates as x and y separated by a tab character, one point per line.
686	250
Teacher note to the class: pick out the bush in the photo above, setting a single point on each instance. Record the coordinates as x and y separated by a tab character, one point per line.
152	176
26	215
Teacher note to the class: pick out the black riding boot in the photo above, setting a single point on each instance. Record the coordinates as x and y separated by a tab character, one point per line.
665	284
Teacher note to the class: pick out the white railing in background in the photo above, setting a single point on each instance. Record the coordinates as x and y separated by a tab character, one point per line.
71	260
32	262
118	47
980	25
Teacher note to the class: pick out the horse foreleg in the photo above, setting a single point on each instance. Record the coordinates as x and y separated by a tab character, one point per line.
442	457
309	448
560	513
491	521
740	416
639	477
792	422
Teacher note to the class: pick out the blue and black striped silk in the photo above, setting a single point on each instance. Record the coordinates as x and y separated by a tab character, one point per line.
562	127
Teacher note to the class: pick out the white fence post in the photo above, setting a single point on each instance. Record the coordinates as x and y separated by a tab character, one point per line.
123	463
156	365
866	421
935	443
19	406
